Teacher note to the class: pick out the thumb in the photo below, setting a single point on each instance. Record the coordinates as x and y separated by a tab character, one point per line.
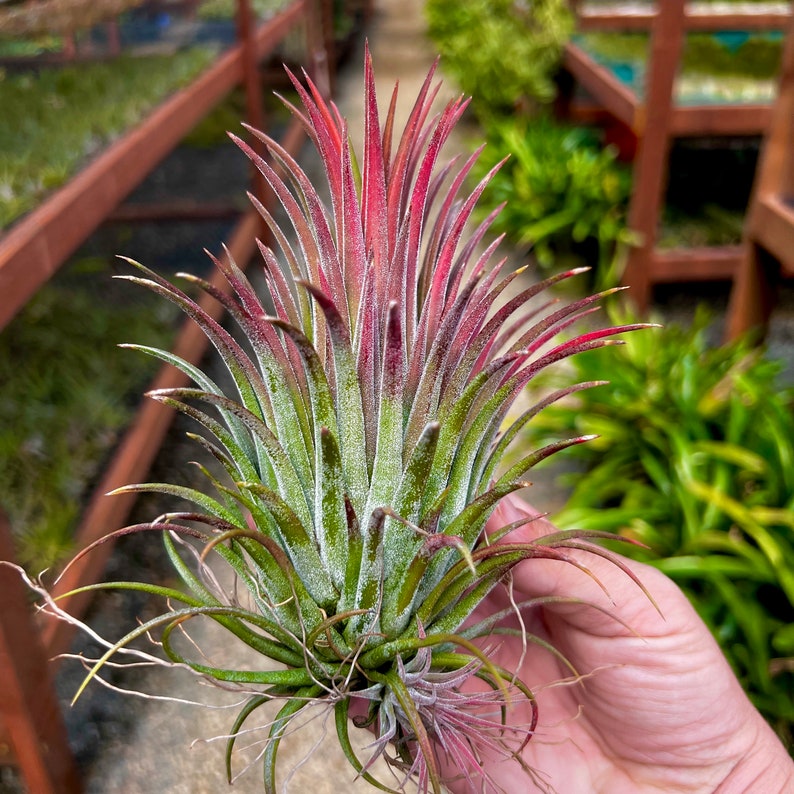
595	577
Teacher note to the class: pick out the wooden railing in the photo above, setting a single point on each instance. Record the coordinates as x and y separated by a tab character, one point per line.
768	244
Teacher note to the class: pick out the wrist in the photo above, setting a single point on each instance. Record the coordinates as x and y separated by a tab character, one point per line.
765	767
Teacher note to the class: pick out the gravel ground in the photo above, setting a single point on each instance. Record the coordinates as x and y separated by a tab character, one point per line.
125	744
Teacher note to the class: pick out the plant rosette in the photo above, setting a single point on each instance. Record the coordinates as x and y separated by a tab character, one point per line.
361	450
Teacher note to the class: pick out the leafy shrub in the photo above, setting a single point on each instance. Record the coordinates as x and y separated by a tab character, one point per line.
695	458
502	52
560	185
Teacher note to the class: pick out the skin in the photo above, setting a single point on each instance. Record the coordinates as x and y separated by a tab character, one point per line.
657	707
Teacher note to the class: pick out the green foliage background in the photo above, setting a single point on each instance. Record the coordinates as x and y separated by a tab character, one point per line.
695	459
52	121
562	187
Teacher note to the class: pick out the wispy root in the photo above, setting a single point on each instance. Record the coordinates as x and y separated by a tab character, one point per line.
49	607
257	739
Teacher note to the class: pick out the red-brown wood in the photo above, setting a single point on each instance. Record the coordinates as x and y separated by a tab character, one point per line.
601	83
322	32
753	295
28	706
582	111
717	263
650	165
769	230
252	81
700	121
773	226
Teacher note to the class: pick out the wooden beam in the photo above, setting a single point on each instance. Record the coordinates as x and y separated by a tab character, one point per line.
769	229
772	225
706	263
703	120
650	165
753	296
252	86
29	708
601	83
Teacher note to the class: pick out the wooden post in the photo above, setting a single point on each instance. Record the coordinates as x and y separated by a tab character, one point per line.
653	133
252	85
320	45
769	227
752	297
28	706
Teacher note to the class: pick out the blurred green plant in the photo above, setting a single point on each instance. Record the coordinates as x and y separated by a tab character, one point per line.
695	459
55	119
17	47
560	185
502	52
713	225
66	396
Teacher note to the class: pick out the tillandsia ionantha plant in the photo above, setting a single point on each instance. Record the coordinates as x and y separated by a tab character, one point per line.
361	444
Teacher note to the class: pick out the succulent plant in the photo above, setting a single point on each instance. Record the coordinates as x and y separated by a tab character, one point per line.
361	446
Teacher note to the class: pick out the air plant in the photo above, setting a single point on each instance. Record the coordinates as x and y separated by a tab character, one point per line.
361	444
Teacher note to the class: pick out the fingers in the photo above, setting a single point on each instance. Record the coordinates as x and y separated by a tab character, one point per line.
512	509
582	575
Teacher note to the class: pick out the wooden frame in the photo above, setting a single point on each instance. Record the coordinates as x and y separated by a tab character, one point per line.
698	17
30	253
655	121
768	245
28	705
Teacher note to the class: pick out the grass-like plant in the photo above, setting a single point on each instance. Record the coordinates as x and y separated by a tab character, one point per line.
360	451
503	53
67	396
55	120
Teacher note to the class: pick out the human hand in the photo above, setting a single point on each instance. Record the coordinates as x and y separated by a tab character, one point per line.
655	705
